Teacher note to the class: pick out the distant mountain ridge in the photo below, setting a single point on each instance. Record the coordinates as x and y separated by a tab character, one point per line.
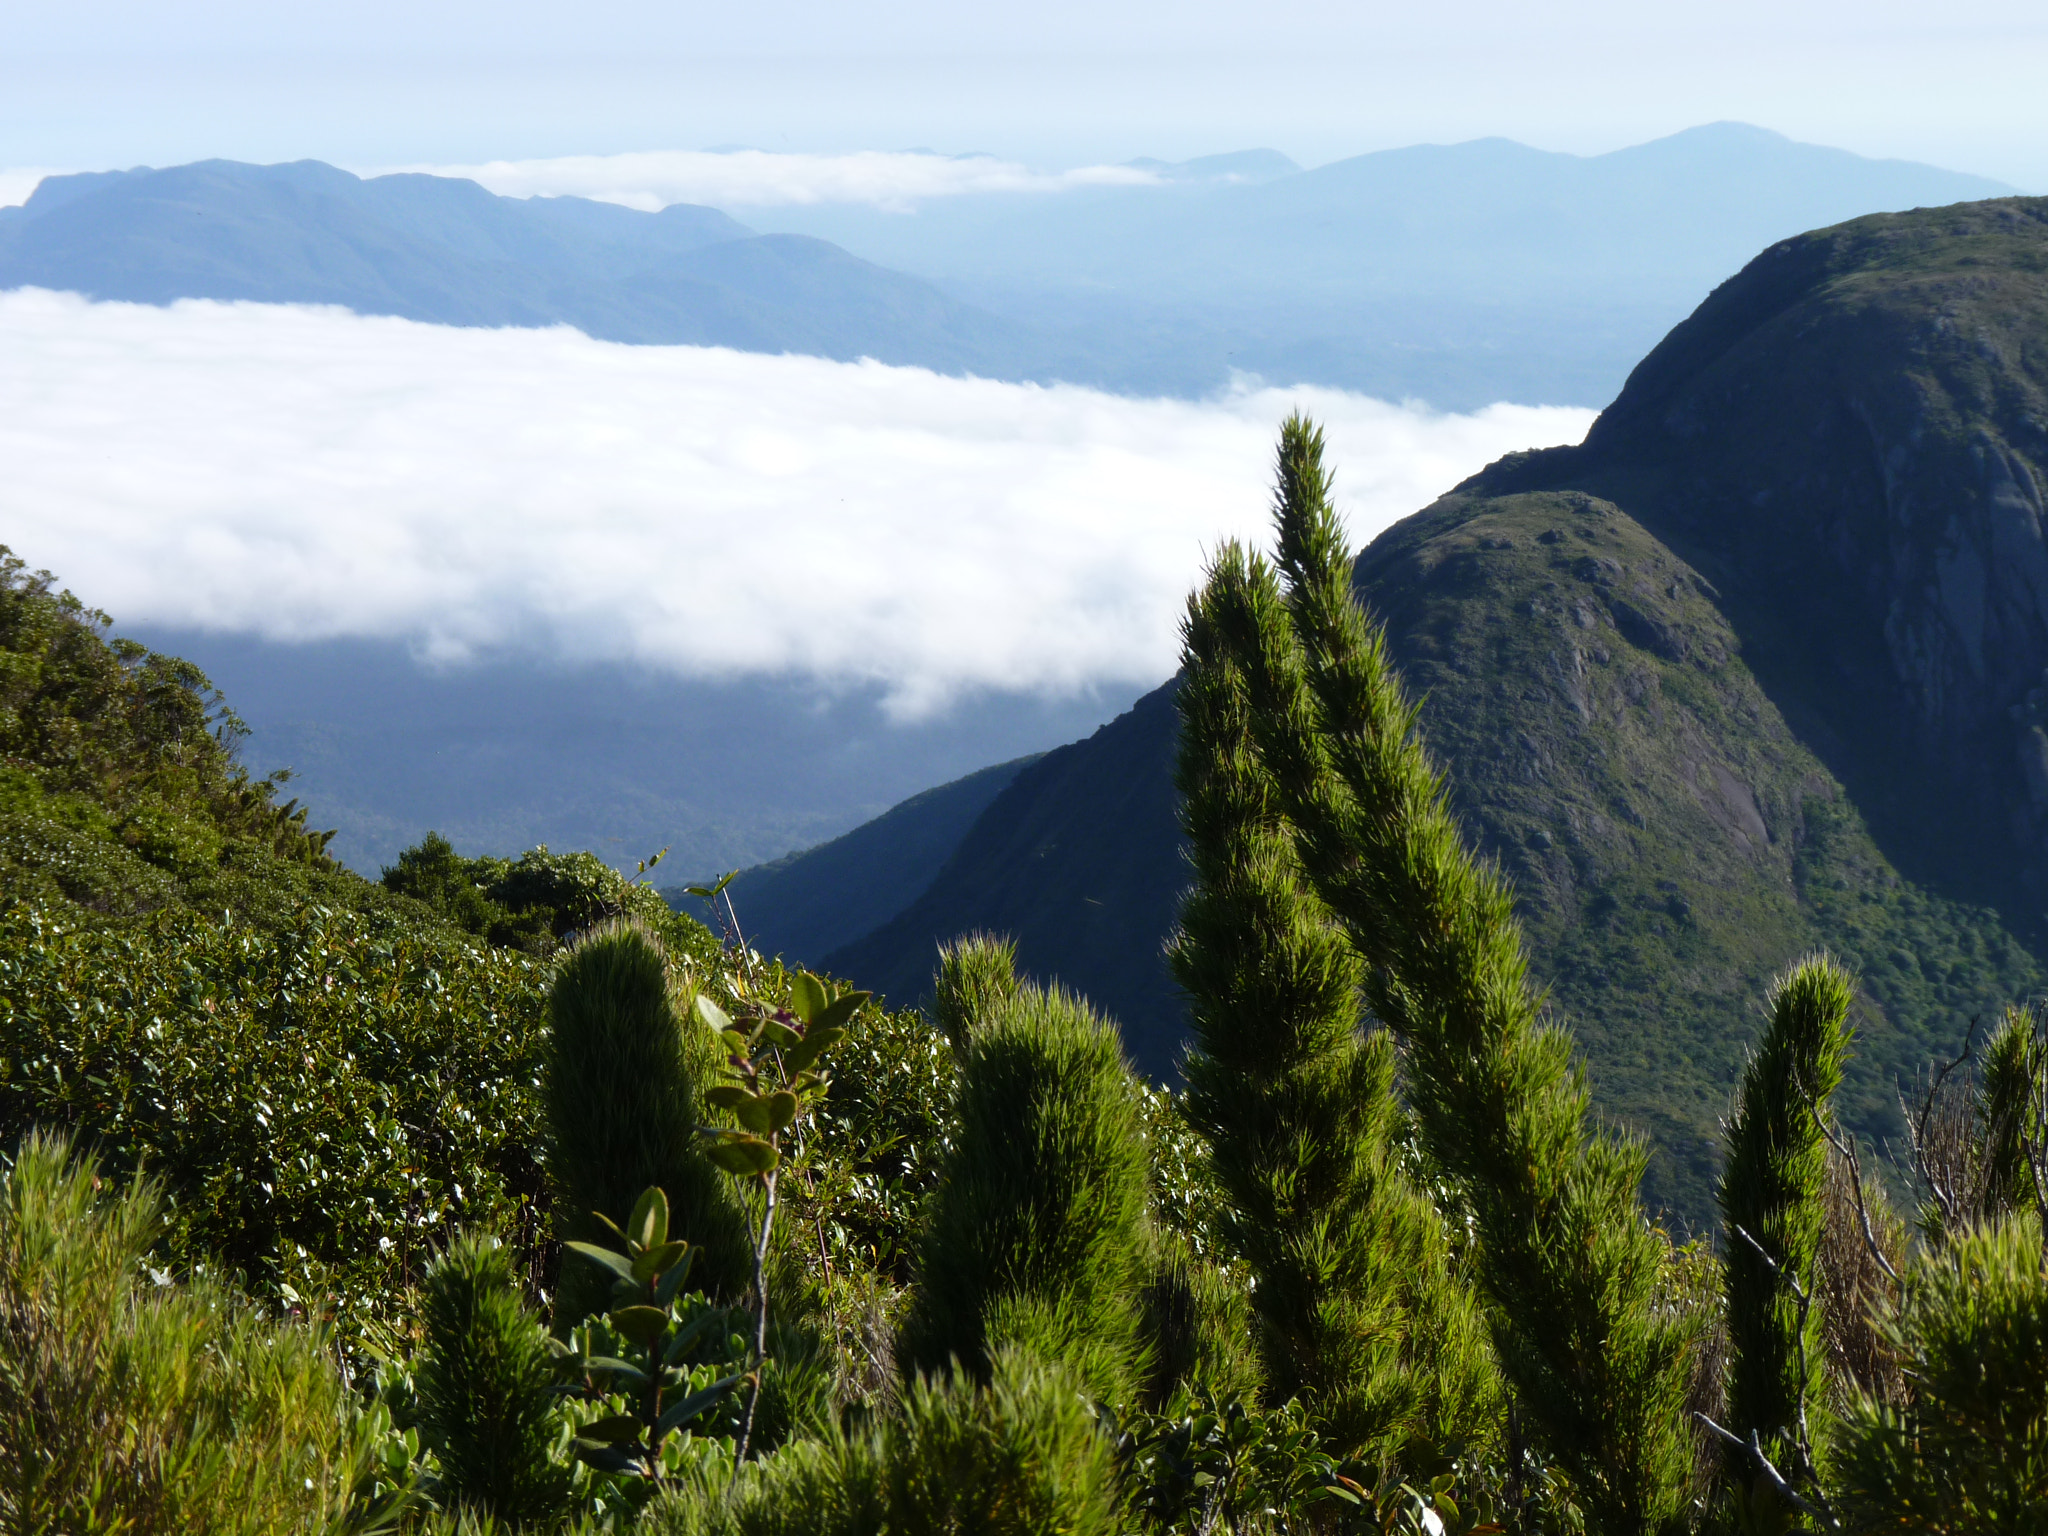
446	251
1759	668
1456	274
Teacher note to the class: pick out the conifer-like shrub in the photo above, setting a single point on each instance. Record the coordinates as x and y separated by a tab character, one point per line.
1022	1455
127	1404
485	1388
1038	1231
977	975
1566	1262
623	1104
1200	1328
2008	1115
1774	1203
1359	1310
1968	1451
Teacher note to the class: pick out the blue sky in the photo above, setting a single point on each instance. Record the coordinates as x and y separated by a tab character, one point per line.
113	82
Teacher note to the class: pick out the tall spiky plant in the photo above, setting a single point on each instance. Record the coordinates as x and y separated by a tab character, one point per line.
1360	1313
1566	1259
623	1110
1774	1201
977	975
1038	1230
486	1388
2008	1114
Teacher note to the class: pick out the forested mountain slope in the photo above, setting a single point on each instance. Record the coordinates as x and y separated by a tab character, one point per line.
1758	669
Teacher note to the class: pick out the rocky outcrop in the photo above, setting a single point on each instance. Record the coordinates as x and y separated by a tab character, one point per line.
1853	433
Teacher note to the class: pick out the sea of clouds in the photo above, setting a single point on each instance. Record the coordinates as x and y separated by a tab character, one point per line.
298	472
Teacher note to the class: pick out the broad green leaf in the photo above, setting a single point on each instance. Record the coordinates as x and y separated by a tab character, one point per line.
612	1227
617	1263
706	892
605	1365
610	1431
648	1225
754	1113
713	1015
842	1010
822	1038
743	1155
606	1458
666	1287
643	1325
727	1096
777	1035
694	1404
653	1261
781	1110
807	996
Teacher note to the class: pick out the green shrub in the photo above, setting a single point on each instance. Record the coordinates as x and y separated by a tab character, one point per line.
1565	1260
1360	1312
1774	1200
1969	1451
486	1387
1038	1229
323	1099
1199	1326
623	1107
127	1405
977	975
1021	1456
2008	1115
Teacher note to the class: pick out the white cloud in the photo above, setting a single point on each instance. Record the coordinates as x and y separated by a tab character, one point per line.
753	178
303	473
17	182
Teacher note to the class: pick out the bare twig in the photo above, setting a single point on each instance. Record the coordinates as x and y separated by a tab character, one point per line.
1791	1495
1848	1155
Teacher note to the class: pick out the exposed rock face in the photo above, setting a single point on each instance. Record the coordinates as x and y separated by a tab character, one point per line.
1852	434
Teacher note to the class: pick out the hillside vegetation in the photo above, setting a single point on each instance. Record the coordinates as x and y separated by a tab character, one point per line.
1754	670
501	1198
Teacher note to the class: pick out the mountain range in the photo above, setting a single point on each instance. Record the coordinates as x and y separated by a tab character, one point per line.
1457	274
1760	667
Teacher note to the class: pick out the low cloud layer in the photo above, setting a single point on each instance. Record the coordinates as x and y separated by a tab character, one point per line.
303	473
753	178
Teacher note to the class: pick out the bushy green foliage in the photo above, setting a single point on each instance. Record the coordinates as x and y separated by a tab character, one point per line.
1199	1326
116	760
1773	1197
1567	1263
1360	1311
486	1387
1205	1463
1021	1456
323	1100
977	975
626	1063
1969	1451
1037	1233
2009	1115
127	1404
538	899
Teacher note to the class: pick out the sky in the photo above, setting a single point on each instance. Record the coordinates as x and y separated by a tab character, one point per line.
1052	85
300	473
